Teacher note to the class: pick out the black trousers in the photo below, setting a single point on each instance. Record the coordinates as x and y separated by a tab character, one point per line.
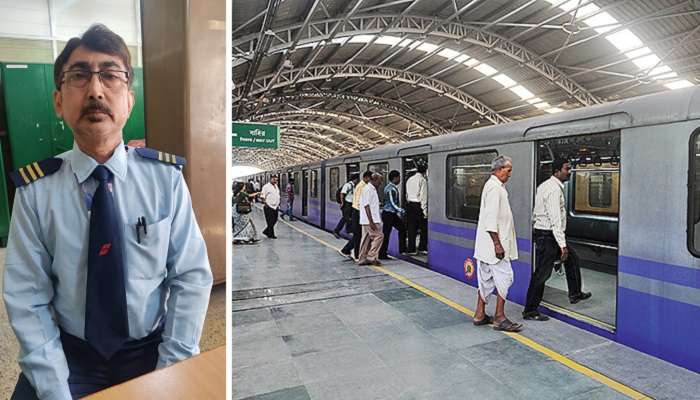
271	219
354	243
415	220
547	251
345	219
392	220
90	373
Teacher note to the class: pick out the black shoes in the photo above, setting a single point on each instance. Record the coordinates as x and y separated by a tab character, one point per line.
578	297
535	316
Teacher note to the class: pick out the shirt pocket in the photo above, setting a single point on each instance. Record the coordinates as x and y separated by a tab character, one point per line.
146	254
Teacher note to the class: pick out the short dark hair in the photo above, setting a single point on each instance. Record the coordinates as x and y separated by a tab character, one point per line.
393	174
367	174
97	38
354	176
558	164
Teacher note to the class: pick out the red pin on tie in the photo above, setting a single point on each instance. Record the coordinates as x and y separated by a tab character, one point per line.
105	249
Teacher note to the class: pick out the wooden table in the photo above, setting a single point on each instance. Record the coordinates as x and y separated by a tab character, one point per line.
200	377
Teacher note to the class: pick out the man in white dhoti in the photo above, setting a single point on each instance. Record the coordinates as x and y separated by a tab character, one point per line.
495	246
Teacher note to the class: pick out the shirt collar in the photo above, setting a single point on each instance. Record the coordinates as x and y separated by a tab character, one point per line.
83	165
555	179
496	180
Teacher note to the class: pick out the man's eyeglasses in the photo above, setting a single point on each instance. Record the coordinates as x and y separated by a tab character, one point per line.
110	78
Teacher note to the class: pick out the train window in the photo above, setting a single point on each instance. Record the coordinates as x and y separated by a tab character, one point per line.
694	196
380	168
333	183
297	183
596	190
466	176
594	185
314	183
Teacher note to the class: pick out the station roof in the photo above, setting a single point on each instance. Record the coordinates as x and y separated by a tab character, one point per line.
342	76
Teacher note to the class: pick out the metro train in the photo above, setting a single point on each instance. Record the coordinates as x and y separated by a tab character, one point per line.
633	204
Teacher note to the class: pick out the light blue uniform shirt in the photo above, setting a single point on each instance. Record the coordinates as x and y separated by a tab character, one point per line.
167	275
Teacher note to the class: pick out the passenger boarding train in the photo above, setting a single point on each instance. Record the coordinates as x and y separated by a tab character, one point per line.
633	205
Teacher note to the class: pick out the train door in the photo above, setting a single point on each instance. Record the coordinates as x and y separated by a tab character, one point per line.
305	193
417	228
592	196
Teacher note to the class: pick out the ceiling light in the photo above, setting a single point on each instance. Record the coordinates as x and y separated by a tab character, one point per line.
486	69
522	92
504	80
679	84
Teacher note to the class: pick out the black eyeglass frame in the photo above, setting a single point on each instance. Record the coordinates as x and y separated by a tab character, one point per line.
99	73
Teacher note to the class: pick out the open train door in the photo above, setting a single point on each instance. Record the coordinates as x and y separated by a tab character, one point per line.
592	196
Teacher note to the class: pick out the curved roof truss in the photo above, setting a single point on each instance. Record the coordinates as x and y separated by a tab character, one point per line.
317	32
321	72
394	107
384	135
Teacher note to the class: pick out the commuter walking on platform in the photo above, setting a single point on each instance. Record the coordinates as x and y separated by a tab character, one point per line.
290	199
549	217
370	218
271	197
106	273
354	243
346	195
392	215
417	210
495	247
243	226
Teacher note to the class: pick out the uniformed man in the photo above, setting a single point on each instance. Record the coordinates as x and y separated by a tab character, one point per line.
106	273
549	217
417	210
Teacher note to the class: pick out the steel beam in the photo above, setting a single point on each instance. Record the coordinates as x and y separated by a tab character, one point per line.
411	24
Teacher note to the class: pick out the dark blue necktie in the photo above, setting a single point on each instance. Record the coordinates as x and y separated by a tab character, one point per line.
106	322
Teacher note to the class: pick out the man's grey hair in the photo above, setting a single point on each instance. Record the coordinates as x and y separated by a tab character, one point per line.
377	175
500	162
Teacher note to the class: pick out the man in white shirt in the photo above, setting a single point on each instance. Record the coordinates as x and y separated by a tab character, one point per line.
417	210
370	219
271	197
346	194
549	217
495	246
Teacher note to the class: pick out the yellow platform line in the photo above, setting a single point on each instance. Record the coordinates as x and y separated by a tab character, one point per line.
595	375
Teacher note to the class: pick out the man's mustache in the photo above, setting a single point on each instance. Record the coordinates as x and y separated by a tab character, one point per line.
95	106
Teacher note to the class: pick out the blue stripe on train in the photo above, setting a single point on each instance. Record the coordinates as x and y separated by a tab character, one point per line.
469	233
659	326
676	274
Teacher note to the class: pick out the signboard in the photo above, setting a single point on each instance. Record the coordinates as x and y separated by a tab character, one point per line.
256	135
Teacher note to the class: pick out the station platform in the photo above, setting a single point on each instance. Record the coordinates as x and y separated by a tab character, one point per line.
310	324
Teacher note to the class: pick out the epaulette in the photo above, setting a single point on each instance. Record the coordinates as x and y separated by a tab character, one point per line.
35	171
161	156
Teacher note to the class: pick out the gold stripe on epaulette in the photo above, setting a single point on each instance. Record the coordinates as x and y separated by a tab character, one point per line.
31	172
173	159
23	175
160	156
166	157
38	170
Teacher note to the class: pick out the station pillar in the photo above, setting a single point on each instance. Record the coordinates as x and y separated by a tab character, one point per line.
184	62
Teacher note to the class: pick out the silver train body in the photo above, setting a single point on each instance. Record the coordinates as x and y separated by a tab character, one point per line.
633	207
